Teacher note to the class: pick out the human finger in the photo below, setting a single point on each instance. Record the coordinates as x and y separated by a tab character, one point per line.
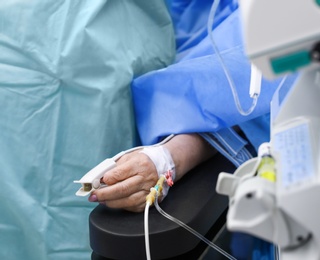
122	189
134	203
130	165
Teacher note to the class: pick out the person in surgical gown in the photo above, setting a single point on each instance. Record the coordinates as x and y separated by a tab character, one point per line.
65	105
192	99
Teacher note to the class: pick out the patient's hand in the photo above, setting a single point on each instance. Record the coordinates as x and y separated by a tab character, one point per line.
128	183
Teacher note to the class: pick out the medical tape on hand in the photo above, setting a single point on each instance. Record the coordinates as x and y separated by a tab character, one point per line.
161	158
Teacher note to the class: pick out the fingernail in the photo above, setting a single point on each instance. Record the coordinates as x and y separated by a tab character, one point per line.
93	198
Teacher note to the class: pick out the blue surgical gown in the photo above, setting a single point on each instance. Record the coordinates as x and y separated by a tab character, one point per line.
193	95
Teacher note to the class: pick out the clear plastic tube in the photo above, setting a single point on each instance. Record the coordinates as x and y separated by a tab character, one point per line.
180	223
231	83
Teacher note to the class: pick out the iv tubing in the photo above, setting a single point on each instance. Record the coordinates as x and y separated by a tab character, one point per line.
149	201
231	83
146	230
152	198
204	239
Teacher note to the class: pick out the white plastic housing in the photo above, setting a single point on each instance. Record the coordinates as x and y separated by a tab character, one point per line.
273	28
94	175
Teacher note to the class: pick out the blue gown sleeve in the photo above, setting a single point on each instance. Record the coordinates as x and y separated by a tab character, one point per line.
193	94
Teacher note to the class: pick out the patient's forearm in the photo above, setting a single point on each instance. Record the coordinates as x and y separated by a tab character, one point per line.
187	151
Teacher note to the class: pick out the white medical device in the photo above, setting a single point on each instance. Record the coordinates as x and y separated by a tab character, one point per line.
92	179
283	36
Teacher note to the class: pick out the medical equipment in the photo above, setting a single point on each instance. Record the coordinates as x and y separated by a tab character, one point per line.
255	77
119	234
92	180
283	37
151	199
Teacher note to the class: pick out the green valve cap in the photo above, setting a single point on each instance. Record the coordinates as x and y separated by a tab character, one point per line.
291	62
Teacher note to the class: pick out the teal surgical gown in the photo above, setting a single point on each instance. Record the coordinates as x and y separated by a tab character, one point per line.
65	105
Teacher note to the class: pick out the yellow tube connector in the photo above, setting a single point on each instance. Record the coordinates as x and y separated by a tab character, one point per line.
154	190
266	168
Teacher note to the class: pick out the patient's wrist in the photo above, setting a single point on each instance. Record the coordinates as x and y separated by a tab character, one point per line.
161	158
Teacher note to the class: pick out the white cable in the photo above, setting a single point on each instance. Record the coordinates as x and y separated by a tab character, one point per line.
146	230
254	74
119	155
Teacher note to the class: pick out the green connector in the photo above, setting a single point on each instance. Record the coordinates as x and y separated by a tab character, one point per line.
290	62
318	2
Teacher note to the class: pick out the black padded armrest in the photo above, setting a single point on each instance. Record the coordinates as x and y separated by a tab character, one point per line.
118	234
